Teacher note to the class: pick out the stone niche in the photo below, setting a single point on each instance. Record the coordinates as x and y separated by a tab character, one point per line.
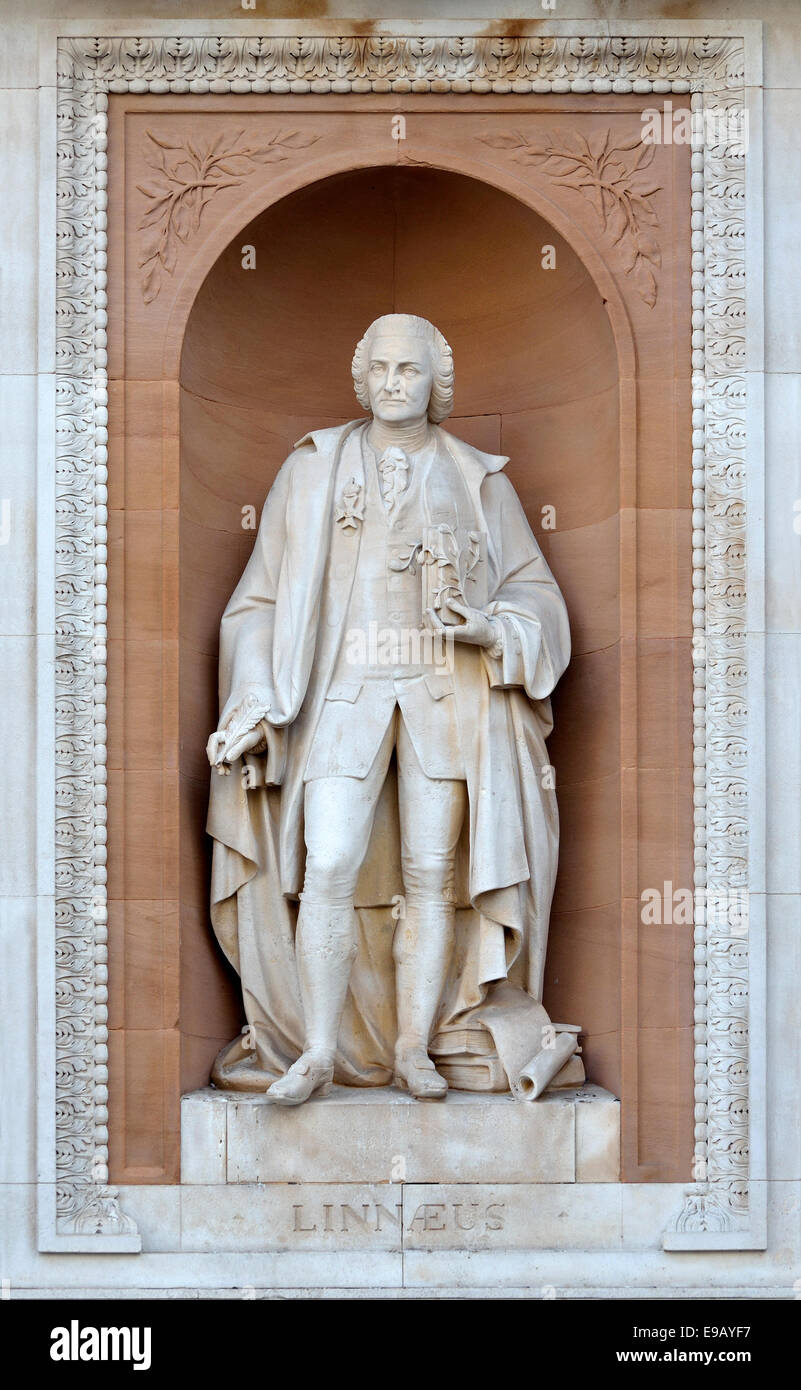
578	371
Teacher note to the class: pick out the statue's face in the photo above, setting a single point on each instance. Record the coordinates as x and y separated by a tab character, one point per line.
399	378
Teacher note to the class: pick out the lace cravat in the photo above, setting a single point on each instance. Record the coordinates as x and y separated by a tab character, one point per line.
393	469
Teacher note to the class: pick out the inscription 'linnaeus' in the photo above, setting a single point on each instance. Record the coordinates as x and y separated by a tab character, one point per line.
371	1218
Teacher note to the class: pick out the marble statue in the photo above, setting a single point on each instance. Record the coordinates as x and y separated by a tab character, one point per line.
385	854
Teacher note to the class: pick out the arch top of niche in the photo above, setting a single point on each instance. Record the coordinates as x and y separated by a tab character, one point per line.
303	175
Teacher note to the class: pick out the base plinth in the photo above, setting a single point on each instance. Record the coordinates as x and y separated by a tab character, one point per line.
383	1136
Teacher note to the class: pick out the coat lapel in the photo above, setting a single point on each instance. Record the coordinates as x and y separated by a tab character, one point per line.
309	510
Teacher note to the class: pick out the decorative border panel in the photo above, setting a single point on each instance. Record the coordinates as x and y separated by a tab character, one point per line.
719	1210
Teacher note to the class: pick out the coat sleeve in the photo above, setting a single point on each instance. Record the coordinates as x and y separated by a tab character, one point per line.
524	597
248	623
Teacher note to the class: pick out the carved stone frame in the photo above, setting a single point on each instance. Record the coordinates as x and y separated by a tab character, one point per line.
725	1208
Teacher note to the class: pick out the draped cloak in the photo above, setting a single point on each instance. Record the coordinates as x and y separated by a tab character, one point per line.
281	632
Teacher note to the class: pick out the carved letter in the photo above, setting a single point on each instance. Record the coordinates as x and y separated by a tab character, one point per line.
298	1210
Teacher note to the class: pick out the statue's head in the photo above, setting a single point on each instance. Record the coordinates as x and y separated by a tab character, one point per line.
403	369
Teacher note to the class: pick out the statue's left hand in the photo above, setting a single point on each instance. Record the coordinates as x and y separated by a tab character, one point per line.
476	627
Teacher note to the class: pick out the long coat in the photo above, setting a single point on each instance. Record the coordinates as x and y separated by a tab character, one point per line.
275	635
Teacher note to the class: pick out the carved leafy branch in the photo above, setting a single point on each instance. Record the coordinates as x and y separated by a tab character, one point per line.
454	563
185	179
618	189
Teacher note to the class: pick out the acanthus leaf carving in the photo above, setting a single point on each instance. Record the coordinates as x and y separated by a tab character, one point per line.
704	1210
86	1208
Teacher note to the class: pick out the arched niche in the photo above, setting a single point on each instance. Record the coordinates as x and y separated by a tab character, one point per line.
266	357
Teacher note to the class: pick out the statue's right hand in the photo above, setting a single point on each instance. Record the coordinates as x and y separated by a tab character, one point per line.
246	743
215	751
242	729
220	755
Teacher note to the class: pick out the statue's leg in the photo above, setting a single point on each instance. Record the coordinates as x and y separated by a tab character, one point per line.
339	814
431	815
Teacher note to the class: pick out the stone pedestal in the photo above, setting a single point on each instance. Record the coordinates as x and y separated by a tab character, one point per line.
382	1136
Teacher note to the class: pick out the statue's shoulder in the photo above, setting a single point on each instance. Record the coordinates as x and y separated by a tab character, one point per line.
313	454
470	458
324	443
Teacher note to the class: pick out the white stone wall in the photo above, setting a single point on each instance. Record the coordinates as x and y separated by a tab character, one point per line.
630	1263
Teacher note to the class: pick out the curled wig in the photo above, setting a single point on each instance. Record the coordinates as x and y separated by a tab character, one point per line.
440	403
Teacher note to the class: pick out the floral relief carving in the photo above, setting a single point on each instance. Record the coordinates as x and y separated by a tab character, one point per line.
618	189
185	179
